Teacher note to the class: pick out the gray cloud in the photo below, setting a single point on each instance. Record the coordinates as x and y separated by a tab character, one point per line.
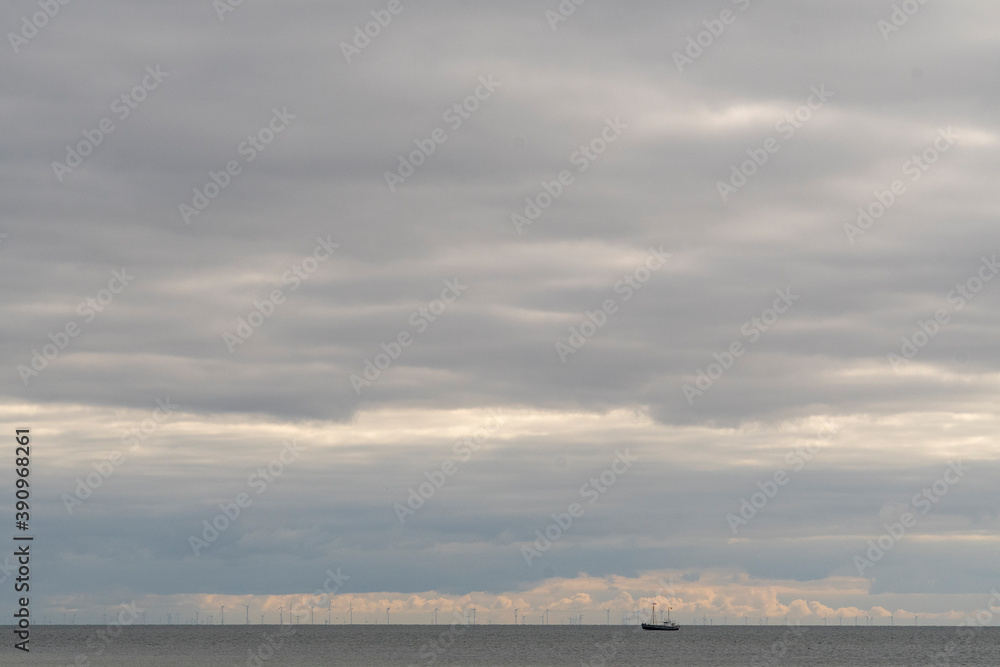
655	186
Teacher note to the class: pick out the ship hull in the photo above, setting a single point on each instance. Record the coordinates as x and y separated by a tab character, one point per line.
654	626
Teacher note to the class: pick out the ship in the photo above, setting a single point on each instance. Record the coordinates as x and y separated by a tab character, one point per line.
663	625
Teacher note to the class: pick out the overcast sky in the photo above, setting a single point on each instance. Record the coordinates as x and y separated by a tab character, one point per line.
716	249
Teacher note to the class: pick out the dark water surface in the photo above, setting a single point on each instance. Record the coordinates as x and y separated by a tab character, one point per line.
692	646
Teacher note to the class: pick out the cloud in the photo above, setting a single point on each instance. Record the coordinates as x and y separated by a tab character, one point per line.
825	359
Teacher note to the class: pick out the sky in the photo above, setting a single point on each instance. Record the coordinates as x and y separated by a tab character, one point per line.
521	305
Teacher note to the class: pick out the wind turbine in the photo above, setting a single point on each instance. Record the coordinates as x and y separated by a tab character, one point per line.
387	615
247	605
546	617
473	615
436	615
223	621
515	615
351	611
262	619
841	619
281	615
312	621
608	610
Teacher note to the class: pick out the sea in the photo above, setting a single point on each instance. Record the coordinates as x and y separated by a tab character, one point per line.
557	645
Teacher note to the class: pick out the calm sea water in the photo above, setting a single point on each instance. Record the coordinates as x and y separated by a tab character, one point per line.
692	646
